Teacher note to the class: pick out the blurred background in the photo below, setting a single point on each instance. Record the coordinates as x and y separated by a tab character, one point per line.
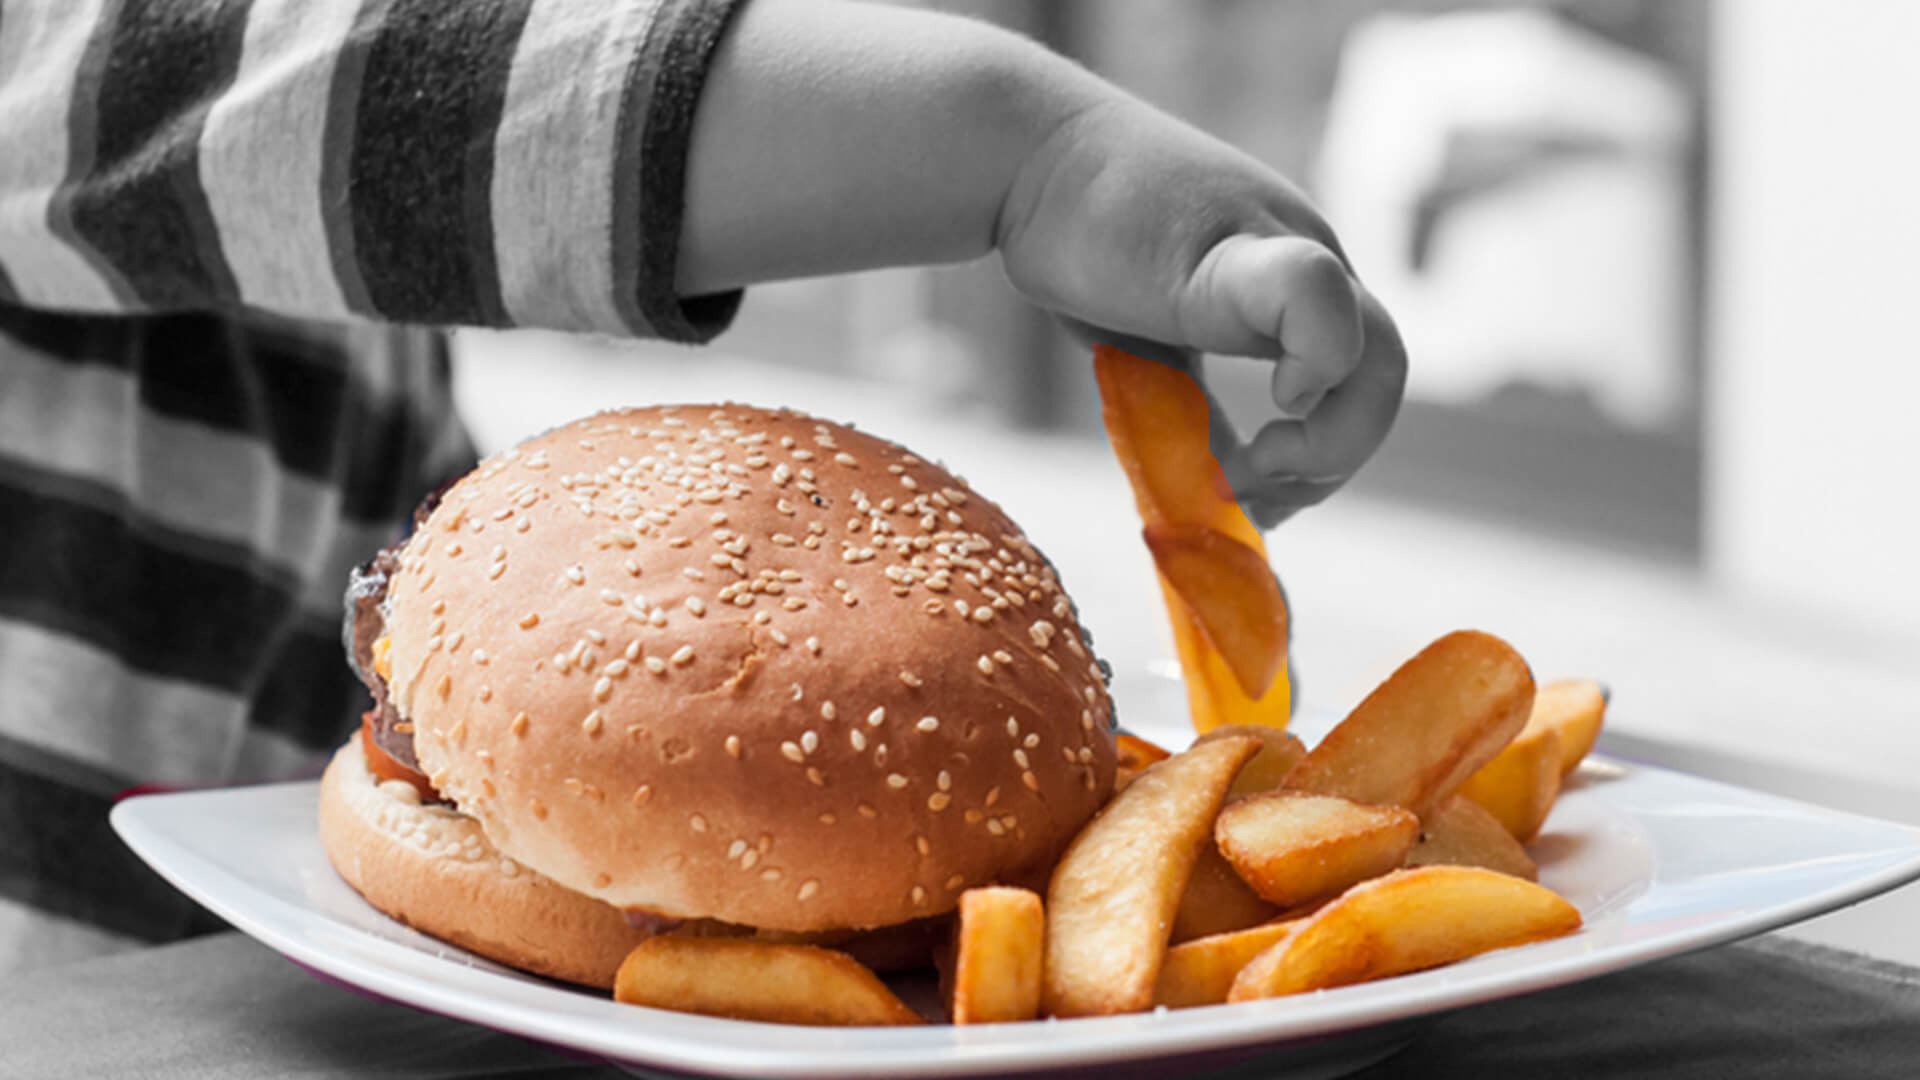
1653	260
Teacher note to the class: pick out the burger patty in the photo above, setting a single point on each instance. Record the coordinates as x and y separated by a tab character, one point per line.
366	623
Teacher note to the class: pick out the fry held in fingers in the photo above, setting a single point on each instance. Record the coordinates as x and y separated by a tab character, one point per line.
751	980
1113	896
1407	921
1232	594
1294	848
1421	733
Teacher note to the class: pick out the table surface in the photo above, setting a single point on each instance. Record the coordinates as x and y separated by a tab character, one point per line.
225	1006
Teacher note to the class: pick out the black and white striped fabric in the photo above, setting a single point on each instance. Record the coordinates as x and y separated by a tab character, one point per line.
228	229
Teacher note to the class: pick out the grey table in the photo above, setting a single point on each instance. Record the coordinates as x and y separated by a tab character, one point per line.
222	1006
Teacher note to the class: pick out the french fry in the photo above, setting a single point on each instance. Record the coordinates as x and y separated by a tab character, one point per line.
1157	422
1279	753
1111	902
1134	755
1201	971
1233	596
1575	708
1421	733
999	942
754	980
1408	920
1519	785
1216	900
1461	832
1294	848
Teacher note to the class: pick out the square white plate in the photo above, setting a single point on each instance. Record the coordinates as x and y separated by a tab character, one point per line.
1658	862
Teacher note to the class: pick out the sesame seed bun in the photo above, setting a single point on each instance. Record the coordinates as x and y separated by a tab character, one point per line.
720	662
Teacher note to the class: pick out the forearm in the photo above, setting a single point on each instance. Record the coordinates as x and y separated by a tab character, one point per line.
834	137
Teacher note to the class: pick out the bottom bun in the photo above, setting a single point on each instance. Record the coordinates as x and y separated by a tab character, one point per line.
432	868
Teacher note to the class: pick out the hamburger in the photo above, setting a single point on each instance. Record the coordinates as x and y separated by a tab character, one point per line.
707	669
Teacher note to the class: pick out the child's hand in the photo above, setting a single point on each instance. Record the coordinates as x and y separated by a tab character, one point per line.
1146	234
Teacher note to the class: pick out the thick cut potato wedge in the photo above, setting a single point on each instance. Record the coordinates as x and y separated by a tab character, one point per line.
1232	594
1294	848
1461	832
1135	754
1217	900
754	980
1279	753
1420	734
998	945
1201	971
1408	920
1157	423
1575	708
1521	782
1111	902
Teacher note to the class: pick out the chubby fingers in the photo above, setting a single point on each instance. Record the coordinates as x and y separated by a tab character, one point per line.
1290	464
1287	298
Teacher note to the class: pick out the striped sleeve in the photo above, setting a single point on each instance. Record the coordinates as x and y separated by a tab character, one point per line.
442	162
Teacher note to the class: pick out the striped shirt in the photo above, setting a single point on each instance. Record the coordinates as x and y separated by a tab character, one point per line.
227	231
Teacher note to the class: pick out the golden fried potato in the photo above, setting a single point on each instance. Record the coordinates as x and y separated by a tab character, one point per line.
1420	734
1576	708
1408	920
1521	782
1201	971
1279	753
1134	755
1461	832
1113	895
1231	591
1294	848
1217	900
754	980
999	942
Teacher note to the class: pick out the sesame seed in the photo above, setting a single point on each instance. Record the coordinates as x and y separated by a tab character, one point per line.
1028	779
681	656
985	664
791	751
1013	728
813	645
928	723
896	781
1020	758
938	801
993	796
736	849
519	725
444	687
486	693
827	710
793	603
772	873
846	459
530	620
480	657
697	606
973	817
1085	754
633	650
814	777
877	717
537	808
920	842
656	665
577	574
574	786
616	667
779	637
1002	656
1032	740
945	780
858	739
994	827
641	794
602	688
982	614
911	679
454	641
748	859
808	888
809	741
591	725
880	754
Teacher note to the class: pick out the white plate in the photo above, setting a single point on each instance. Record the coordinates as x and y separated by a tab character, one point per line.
1658	862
